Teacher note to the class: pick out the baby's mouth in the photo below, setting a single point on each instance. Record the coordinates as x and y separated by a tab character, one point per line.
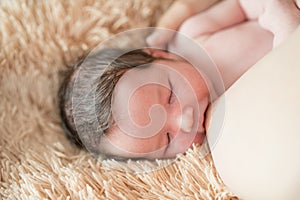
199	138
205	117
201	132
202	121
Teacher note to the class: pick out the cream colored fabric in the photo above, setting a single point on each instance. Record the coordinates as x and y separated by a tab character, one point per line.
38	39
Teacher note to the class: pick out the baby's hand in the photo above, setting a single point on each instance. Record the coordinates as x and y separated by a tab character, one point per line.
174	17
281	17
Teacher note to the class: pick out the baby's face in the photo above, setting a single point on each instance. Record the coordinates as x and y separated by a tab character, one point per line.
158	111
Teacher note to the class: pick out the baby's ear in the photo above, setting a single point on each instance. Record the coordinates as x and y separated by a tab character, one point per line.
157	53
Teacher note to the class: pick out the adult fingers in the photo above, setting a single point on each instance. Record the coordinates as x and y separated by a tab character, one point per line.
174	17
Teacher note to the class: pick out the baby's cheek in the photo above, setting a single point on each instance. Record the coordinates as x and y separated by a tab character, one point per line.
145	146
133	145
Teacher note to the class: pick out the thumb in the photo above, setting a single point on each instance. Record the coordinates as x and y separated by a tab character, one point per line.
179	11
170	20
160	37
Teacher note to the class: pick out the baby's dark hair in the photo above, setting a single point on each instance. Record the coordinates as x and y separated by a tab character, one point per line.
112	64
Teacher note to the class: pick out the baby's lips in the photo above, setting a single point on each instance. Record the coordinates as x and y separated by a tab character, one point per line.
198	139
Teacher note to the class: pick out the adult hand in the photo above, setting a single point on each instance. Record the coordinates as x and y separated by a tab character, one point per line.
179	11
281	17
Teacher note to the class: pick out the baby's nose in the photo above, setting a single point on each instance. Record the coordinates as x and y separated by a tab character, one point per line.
187	119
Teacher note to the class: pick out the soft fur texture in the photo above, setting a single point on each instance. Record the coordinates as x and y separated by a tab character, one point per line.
39	39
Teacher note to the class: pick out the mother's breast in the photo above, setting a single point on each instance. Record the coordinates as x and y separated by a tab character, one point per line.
258	146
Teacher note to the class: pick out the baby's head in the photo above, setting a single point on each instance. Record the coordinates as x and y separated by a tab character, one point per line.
149	103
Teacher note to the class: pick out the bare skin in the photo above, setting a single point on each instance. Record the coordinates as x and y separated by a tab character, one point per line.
263	162
159	119
231	30
262	118
236	35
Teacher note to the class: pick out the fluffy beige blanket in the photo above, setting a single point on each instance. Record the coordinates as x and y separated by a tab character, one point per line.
39	39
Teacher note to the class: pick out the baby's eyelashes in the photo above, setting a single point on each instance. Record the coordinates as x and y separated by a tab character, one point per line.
171	97
169	137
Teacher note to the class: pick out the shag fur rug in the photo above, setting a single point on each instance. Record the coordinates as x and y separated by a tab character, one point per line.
39	39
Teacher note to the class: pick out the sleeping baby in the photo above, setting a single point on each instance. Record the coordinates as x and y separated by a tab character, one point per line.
149	103
152	103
